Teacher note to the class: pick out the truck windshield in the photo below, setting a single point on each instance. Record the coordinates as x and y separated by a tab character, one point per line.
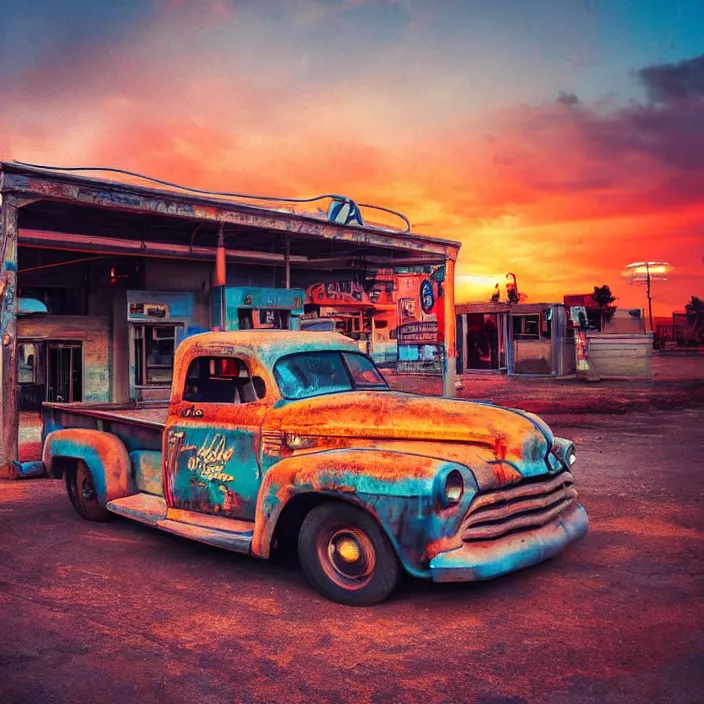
315	373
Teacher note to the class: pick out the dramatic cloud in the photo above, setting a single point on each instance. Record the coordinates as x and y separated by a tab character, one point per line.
673	82
576	191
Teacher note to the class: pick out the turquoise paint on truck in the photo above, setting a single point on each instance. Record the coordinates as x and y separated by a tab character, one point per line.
216	471
147	471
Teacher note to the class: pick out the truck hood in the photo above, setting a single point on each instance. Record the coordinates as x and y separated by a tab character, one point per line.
441	426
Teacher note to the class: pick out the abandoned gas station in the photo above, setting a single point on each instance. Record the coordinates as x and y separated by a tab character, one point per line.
101	279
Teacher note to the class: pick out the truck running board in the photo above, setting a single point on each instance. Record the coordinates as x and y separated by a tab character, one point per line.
237	542
222	532
145	508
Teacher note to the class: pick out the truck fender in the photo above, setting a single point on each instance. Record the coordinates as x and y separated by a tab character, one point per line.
399	489
105	455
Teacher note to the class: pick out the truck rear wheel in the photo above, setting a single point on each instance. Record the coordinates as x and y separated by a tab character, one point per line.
346	556
81	491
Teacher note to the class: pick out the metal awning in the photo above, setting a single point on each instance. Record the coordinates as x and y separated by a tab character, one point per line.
77	213
513	308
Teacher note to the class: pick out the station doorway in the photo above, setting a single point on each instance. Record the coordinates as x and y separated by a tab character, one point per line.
49	370
64	372
486	341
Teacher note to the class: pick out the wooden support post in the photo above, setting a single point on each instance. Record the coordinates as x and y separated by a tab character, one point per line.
287	262
450	357
9	413
120	348
221	259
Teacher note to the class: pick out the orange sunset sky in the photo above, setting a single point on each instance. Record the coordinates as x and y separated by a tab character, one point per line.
557	139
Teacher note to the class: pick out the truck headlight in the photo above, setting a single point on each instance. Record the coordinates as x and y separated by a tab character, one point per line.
299	442
564	451
569	455
454	487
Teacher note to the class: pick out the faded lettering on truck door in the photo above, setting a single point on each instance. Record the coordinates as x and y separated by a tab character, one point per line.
213	440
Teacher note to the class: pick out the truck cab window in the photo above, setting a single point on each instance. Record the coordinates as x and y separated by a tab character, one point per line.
222	380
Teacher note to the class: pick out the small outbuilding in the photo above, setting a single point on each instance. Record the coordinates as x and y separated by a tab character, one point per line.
523	338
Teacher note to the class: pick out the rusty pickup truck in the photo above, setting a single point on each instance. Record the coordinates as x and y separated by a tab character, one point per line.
289	440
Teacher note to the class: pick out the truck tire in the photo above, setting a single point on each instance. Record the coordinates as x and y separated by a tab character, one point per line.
81	492
346	556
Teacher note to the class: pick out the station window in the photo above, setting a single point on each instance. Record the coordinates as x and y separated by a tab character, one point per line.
526	327
546	324
222	380
28	370
154	347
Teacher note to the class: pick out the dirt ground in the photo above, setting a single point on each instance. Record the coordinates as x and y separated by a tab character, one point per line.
678	382
118	612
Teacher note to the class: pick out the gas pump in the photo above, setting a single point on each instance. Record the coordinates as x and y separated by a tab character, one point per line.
253	308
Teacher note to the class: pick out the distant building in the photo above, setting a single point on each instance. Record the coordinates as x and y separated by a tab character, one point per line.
625	321
663	329
525	338
587	301
682	332
622	321
673	330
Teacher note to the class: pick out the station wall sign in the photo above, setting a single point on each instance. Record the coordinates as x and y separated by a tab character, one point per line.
427	296
420	333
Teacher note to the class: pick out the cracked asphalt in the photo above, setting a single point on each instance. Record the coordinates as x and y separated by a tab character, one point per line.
118	612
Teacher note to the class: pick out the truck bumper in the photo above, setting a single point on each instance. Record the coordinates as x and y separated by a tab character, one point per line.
26	470
492	558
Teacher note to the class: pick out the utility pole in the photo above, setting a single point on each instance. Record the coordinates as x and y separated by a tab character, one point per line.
650	300
646	273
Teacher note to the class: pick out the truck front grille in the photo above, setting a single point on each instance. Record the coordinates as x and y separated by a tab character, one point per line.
530	504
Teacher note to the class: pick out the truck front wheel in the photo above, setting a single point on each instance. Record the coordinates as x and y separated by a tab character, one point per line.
346	556
81	491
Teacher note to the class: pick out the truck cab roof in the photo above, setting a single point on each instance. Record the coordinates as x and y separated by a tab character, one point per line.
266	345
296	340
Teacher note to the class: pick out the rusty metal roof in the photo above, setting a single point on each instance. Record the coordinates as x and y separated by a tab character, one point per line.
490	307
59	202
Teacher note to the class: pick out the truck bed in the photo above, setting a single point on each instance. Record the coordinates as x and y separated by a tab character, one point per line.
151	415
139	427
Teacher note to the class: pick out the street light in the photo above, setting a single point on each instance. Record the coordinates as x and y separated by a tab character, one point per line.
645	273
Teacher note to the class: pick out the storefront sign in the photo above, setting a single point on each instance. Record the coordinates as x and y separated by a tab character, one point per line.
344	211
424	333
427	297
328	312
147	311
267	298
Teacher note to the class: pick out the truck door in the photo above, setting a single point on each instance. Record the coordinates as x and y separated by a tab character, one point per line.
212	439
